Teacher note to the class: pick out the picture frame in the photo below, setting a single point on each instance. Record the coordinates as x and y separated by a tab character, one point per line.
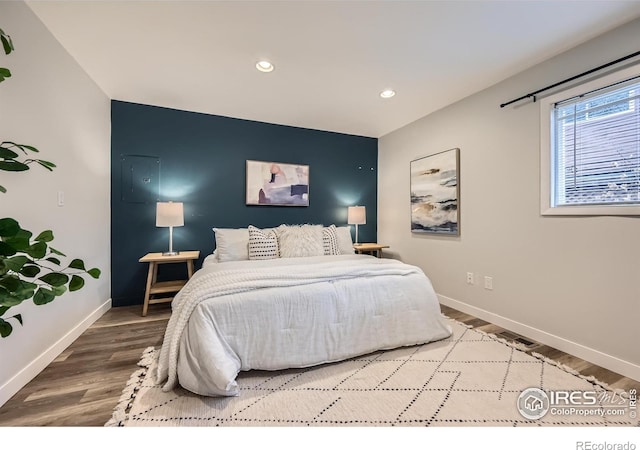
271	183
435	193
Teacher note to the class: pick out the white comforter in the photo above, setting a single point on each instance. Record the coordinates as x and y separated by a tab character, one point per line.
293	312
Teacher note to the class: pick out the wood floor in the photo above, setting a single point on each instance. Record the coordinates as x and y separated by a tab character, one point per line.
83	385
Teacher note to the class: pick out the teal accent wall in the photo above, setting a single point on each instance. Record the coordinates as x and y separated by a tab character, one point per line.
161	154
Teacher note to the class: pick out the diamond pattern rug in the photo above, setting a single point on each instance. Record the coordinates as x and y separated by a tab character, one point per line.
470	379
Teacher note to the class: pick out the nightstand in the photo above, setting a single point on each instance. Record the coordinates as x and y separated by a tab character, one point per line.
370	248
165	287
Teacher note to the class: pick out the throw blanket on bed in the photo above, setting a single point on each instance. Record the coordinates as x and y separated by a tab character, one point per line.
208	284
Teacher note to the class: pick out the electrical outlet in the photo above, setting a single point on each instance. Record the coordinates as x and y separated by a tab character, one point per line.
488	283
469	277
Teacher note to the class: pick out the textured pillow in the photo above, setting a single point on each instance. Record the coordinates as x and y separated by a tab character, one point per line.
298	241
330	240
232	244
263	244
345	243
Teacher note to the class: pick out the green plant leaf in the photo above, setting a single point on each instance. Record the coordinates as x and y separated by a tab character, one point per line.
7	45
2	189
53	260
5	328
46	164
22	147
13	166
8	227
5	297
15	263
55	279
5	153
30	271
4	309
37	250
43	296
45	236
59	290
28	147
76	283
77	264
20	240
6	249
3	267
14	291
10	301
10	282
25	290
95	272
56	252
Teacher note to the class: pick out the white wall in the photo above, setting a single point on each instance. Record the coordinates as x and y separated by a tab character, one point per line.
571	282
52	104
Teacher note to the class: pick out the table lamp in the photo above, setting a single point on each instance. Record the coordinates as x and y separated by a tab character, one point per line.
169	214
356	215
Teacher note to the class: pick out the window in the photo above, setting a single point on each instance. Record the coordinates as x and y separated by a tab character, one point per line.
591	148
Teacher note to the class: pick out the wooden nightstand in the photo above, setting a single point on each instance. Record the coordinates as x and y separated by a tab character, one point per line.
370	248
164	287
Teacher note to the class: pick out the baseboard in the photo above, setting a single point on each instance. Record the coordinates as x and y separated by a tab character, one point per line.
612	363
27	374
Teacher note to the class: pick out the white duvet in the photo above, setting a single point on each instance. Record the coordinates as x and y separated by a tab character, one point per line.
292	312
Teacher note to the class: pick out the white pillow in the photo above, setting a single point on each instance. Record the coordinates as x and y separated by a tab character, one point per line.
330	240
298	241
263	244
345	243
211	259
232	244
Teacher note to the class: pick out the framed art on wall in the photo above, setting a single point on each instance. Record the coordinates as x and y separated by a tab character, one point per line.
277	184
435	193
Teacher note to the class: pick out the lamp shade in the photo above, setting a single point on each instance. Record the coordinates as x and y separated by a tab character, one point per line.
169	214
357	215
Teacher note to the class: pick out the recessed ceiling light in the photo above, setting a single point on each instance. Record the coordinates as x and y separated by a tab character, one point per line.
264	66
387	93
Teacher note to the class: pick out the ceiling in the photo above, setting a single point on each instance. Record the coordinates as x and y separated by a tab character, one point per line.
332	58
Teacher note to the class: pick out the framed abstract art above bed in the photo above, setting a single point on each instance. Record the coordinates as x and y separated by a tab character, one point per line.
277	184
435	193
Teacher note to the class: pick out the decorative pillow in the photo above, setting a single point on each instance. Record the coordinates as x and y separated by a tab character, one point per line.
232	244
263	244
298	241
330	240
345	243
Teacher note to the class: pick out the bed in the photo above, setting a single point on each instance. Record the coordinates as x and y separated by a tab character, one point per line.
292	312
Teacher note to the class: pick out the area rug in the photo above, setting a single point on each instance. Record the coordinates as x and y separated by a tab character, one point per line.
470	379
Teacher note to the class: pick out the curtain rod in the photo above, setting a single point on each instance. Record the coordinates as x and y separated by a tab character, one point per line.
588	72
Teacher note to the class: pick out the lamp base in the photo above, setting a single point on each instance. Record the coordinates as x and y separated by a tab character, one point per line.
170	253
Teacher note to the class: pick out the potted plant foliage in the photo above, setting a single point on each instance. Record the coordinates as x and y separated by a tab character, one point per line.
29	267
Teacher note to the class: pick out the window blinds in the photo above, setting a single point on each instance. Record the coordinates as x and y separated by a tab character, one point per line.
596	140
